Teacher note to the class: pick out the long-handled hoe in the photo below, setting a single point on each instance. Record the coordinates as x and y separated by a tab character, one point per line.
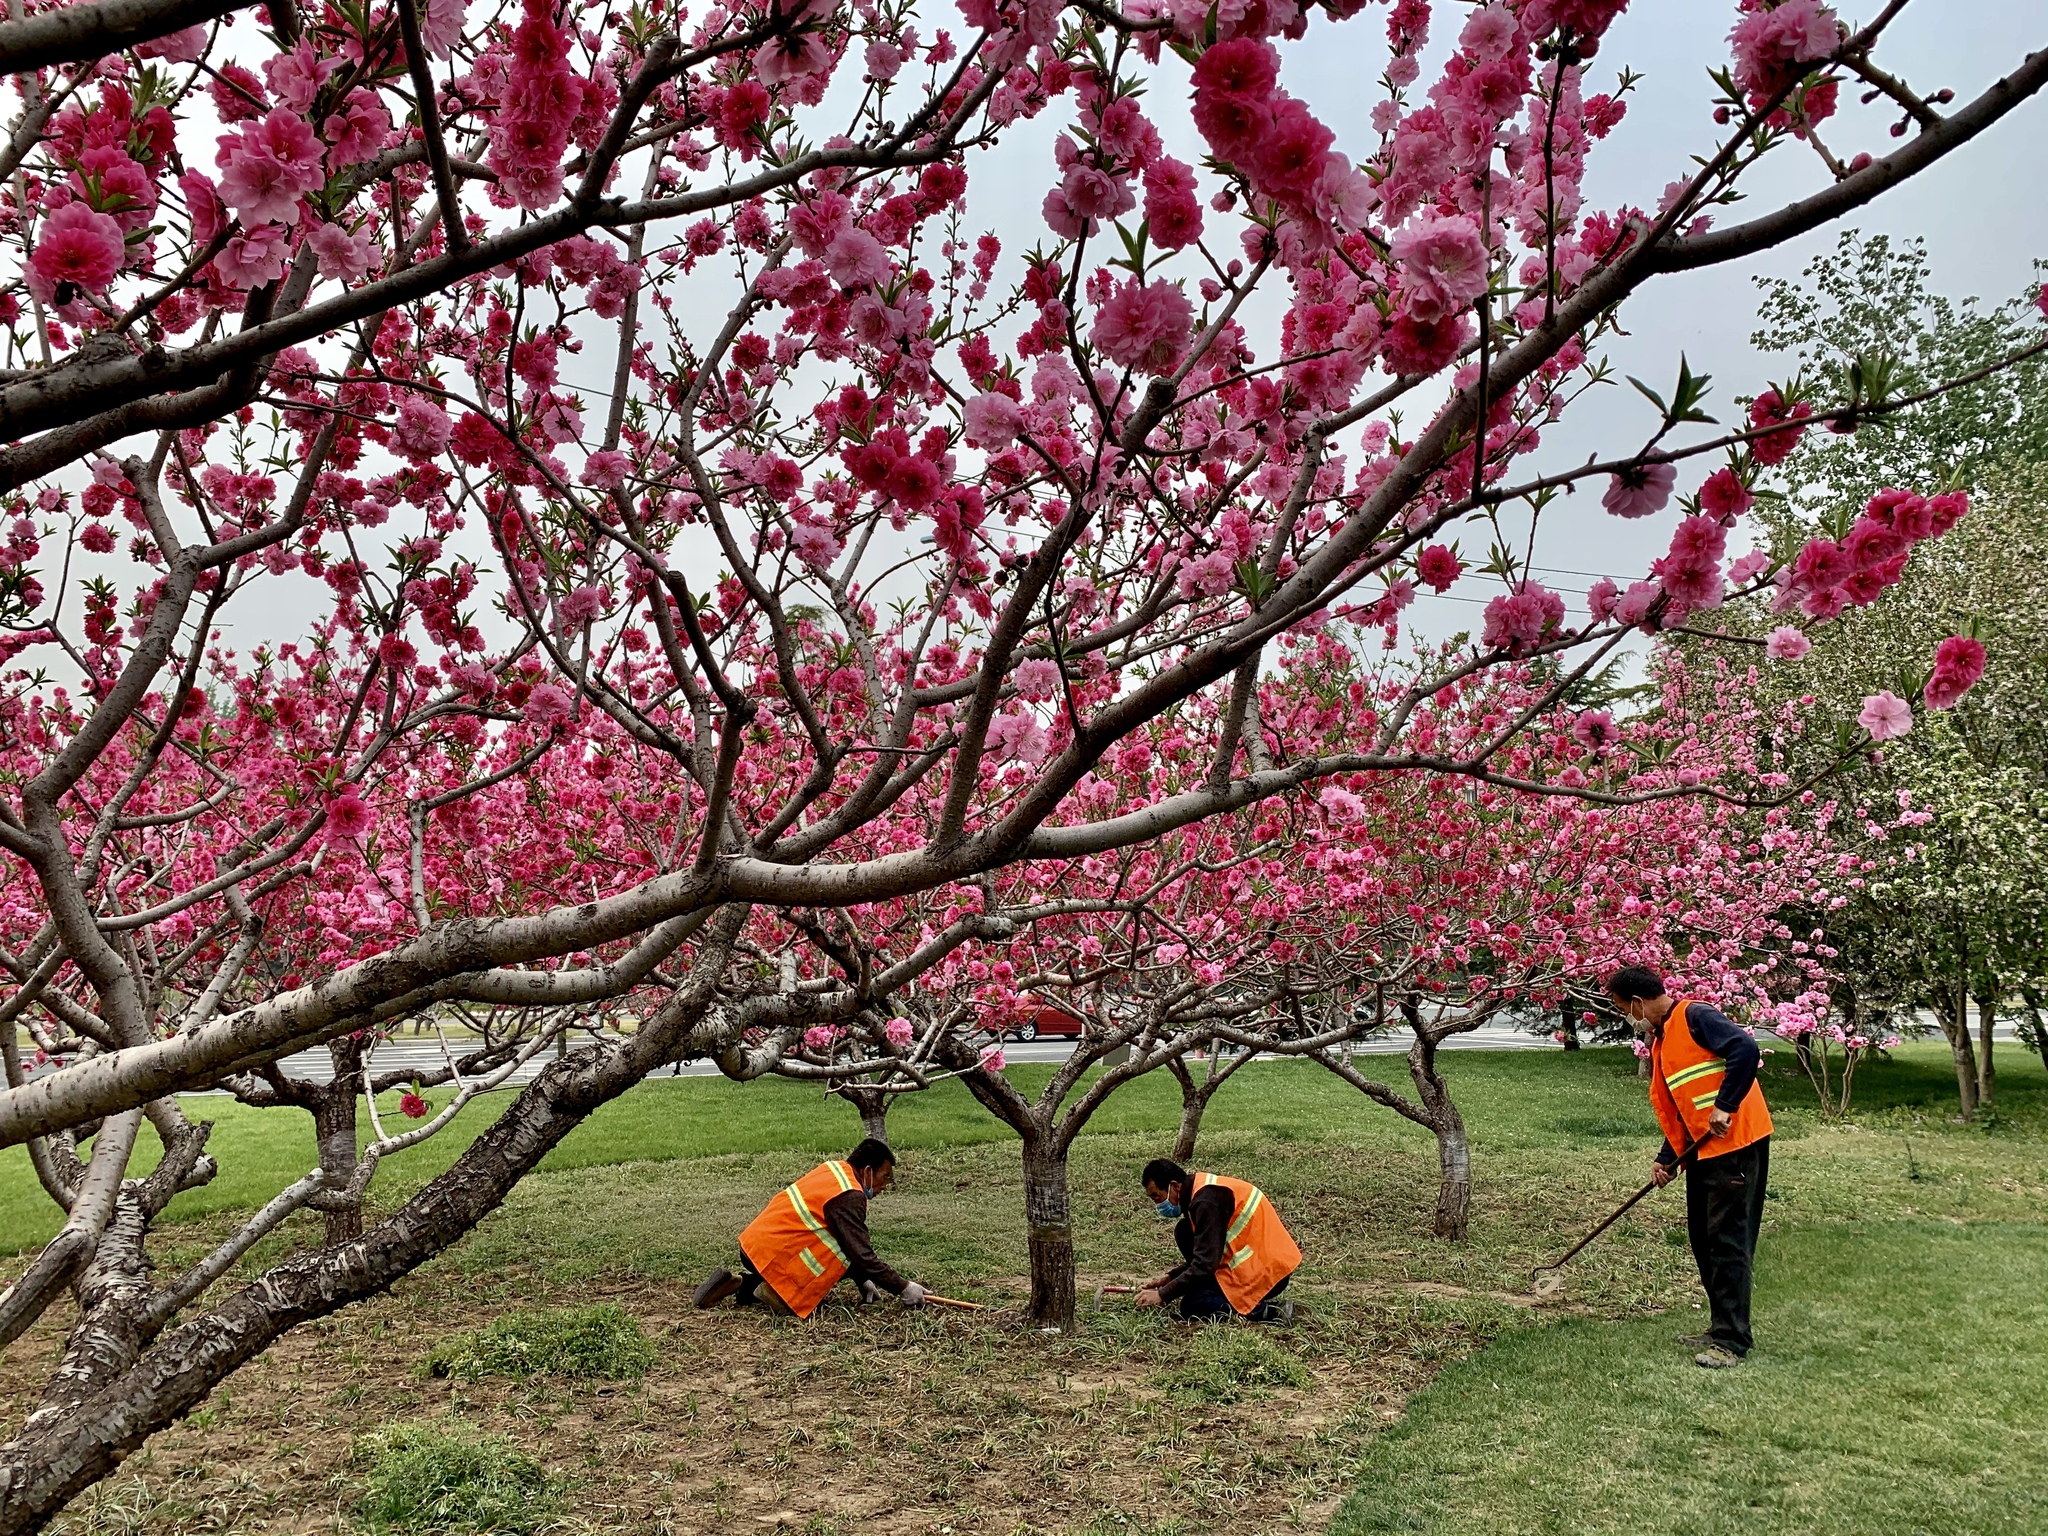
1545	1280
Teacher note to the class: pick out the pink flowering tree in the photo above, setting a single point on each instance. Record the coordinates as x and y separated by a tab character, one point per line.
613	429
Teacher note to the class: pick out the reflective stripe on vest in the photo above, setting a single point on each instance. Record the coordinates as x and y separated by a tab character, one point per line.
1686	1079
1258	1251
789	1243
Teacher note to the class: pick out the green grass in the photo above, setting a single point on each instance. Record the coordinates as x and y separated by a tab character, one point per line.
1542	1105
1225	1365
1897	1385
425	1482
596	1343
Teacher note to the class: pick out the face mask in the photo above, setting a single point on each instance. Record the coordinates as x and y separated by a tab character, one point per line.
1167	1209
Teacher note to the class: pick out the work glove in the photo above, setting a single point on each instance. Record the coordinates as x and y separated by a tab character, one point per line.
913	1295
870	1292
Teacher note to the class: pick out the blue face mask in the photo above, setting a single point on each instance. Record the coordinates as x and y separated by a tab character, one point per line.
1167	1209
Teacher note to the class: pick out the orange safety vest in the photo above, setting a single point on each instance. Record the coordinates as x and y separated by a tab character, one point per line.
1685	1077
1258	1253
790	1244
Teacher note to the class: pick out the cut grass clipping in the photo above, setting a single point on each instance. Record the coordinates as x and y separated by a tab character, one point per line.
1226	1362
430	1482
597	1343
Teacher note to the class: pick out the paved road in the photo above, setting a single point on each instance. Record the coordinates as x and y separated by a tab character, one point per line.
423	1054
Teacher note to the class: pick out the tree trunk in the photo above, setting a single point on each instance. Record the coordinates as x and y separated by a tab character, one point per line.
1453	1151
1194	1099
1454	1175
1955	1023
1570	1025
1987	1020
334	1133
2034	1023
872	1105
1049	1220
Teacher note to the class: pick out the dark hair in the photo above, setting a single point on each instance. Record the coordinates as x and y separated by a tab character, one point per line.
1635	984
872	1154
1162	1172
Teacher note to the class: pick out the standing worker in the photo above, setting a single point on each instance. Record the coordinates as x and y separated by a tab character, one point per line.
1703	1087
811	1236
1235	1254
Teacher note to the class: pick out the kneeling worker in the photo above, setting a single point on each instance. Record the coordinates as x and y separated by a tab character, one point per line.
811	1236
1235	1254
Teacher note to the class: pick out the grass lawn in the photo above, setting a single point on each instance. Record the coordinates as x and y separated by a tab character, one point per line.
1898	1383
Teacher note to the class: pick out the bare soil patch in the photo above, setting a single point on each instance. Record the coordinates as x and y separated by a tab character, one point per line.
873	1420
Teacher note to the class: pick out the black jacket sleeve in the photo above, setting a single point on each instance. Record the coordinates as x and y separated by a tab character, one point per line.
1716	1032
846	1215
1206	1225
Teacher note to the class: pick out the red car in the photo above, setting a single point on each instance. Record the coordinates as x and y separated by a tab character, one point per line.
1047	1021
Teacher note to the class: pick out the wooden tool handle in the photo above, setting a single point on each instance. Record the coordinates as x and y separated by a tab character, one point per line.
947	1301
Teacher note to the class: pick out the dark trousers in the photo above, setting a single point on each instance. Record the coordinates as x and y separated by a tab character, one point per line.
1724	1207
1204	1298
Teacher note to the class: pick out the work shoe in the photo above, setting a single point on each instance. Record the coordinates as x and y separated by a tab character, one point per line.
721	1284
1716	1359
1698	1341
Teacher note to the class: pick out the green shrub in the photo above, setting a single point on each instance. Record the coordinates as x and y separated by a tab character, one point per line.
1225	1362
598	1343
430	1482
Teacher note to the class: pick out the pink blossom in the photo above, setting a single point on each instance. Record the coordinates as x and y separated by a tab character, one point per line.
1144	327
1173	214
254	257
295	76
1769	448
181	47
856	259
1595	730
1787	643
1724	496
606	469
992	1059
1523	618
358	130
1750	566
268	166
820	1037
1958	665
1635	604
992	421
77	246
1640	492
347	816
412	1106
815	544
1037	678
422	429
1773	46
1442	262
208	214
1885	715
1439	567
343	255
899	1032
547	704
1489	33
883	60
98	538
1018	736
1342	805
441	26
